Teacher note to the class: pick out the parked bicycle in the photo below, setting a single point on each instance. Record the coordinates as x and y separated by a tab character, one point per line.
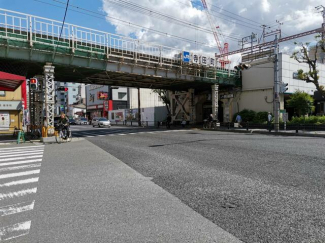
64	134
210	124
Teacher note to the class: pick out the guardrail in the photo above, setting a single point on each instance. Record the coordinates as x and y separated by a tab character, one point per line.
79	40
287	127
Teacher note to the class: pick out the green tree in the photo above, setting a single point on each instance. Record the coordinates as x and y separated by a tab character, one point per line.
303	56
301	102
163	94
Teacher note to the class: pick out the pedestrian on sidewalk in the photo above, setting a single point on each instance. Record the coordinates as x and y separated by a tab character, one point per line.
269	120
238	120
168	120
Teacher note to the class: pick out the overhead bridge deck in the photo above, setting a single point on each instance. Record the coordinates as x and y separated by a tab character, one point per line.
90	56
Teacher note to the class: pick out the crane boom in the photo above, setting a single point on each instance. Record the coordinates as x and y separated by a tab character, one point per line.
215	34
223	51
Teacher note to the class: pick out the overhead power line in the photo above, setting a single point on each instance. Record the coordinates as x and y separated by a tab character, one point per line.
159	15
65	14
123	22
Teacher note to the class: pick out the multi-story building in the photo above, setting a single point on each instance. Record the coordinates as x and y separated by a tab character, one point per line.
101	98
257	90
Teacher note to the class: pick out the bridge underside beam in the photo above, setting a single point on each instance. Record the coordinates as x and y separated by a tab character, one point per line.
29	62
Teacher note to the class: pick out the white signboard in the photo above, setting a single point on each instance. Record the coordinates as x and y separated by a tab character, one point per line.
4	121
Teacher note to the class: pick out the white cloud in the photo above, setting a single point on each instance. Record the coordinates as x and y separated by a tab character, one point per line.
242	10
266	6
297	16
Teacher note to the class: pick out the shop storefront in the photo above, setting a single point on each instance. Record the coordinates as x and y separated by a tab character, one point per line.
11	116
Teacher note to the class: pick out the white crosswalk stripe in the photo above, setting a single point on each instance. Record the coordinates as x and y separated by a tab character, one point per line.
19	170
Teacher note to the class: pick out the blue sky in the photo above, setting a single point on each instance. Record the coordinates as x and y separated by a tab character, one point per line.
49	11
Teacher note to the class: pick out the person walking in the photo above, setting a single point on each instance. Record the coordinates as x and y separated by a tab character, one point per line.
168	121
238	120
269	120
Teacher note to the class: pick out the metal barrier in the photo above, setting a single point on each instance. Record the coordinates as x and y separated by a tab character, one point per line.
79	41
295	127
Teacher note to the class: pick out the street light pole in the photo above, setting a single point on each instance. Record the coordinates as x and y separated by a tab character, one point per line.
276	99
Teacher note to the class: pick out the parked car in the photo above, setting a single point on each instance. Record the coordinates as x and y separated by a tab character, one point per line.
82	121
101	122
72	121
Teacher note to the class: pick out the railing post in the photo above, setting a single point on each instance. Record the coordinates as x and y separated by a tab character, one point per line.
297	128
30	31
247	126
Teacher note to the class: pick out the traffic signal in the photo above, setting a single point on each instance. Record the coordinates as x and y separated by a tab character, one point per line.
283	87
33	84
242	66
62	88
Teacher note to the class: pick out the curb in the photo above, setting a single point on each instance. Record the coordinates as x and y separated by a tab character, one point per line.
269	133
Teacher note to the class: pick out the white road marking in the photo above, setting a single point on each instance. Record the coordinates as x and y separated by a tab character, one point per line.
20	158
24	173
101	135
21	152
20	167
18	193
14	231
26	147
132	133
20	182
122	134
90	136
15	155
16	208
20	162
111	135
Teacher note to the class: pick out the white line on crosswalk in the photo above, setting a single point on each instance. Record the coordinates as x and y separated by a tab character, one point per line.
15	155
101	135
24	173
21	152
90	136
122	134
18	193
20	162
20	182
16	208
22	148
20	158
14	231
20	167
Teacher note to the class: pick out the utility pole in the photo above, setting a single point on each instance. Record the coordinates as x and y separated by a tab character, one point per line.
139	108
276	98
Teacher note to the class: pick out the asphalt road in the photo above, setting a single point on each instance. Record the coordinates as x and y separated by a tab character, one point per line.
259	188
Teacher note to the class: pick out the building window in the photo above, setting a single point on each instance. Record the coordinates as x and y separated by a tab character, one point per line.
73	89
121	95
62	100
74	96
2	93
160	99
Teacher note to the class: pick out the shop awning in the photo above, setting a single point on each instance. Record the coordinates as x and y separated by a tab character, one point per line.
10	82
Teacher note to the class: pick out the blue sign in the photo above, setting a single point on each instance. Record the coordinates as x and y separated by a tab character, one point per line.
186	56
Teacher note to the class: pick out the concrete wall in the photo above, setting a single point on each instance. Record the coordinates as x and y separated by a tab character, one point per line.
148	98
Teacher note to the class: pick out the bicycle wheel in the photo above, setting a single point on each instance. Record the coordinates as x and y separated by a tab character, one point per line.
58	138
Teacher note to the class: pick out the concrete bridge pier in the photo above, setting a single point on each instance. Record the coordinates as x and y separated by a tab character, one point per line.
215	100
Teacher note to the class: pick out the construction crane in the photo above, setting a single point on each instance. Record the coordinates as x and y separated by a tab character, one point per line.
223	50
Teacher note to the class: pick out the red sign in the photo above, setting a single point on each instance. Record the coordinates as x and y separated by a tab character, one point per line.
102	95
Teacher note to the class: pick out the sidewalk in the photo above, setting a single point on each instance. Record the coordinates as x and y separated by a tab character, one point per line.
301	133
90	196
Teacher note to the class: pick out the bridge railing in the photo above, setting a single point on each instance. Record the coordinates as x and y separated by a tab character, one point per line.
81	41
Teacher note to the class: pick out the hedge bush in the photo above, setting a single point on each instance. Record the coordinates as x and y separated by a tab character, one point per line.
317	120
